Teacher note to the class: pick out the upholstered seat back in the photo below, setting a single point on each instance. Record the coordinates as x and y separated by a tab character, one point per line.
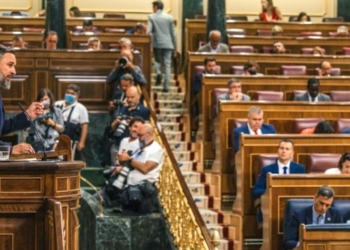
235	32
340	96
319	163
293	70
303	123
293	205
237	70
242	49
269	96
342	123
343	206
214	99
262	161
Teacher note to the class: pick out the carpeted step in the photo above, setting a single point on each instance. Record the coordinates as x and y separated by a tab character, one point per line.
169	117
168	96
211	217
192	177
180	145
172	126
187	166
185	156
171	111
172	90
175	136
169	104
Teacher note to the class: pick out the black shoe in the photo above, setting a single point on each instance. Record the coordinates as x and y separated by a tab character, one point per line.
158	80
165	90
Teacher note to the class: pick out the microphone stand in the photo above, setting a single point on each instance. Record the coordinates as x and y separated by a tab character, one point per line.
35	131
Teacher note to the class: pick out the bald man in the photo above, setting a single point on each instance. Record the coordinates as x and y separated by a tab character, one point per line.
122	67
325	69
214	45
147	162
134	108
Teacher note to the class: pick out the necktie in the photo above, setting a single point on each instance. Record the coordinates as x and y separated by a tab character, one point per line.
319	218
255	132
313	99
285	170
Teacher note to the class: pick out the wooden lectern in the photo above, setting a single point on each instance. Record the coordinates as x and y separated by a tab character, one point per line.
38	203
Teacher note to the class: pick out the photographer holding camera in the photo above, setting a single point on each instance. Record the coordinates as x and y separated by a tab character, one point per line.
118	172
75	117
125	65
49	124
134	108
140	195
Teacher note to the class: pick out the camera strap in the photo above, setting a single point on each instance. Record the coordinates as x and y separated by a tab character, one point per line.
70	113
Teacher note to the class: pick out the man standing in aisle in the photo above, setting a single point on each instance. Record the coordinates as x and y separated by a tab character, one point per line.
161	26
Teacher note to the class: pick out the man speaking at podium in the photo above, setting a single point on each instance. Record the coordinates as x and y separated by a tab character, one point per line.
19	121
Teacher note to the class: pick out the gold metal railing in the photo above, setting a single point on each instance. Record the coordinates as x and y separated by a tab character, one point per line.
186	223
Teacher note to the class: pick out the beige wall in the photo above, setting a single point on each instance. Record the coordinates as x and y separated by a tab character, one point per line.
140	9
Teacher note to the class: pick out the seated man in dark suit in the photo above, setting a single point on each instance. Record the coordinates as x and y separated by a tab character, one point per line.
320	213
313	92
209	66
284	165
254	126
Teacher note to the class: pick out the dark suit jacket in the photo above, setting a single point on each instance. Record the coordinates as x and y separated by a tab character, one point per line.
304	216
11	124
305	97
260	186
265	129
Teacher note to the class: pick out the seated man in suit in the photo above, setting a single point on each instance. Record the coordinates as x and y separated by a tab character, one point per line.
234	91
284	165
313	92
214	45
254	126
278	48
209	69
319	213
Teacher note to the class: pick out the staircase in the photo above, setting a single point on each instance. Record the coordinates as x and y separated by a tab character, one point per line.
173	118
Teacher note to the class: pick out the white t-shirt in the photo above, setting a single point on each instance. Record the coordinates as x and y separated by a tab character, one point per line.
153	152
125	145
333	171
79	115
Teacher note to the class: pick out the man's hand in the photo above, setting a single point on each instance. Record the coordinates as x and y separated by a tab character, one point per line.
35	109
80	146
123	157
116	170
129	65
22	148
116	63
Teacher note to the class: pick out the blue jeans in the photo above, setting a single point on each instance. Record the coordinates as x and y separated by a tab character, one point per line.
163	56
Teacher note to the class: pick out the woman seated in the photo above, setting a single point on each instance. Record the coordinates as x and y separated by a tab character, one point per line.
251	68
318	51
343	166
303	17
269	12
323	127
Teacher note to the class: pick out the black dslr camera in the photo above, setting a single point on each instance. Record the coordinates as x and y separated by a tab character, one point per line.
45	117
123	61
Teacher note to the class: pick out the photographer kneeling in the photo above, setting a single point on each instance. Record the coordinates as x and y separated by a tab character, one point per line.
140	194
48	125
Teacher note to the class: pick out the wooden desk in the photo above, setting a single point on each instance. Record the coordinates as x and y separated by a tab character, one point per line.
332	45
196	29
38	204
56	70
34	40
280	188
253	146
142	43
285	84
327	240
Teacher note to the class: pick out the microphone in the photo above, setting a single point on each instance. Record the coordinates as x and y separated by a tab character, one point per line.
35	130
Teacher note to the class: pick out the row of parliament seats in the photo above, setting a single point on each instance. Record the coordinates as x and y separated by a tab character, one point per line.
268	33
196	32
284	70
262	95
291	18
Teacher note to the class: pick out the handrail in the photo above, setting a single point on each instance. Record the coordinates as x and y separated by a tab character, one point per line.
186	223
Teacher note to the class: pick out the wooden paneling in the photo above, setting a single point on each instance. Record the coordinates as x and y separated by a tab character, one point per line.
252	146
26	218
280	188
285	84
34	40
196	29
56	69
